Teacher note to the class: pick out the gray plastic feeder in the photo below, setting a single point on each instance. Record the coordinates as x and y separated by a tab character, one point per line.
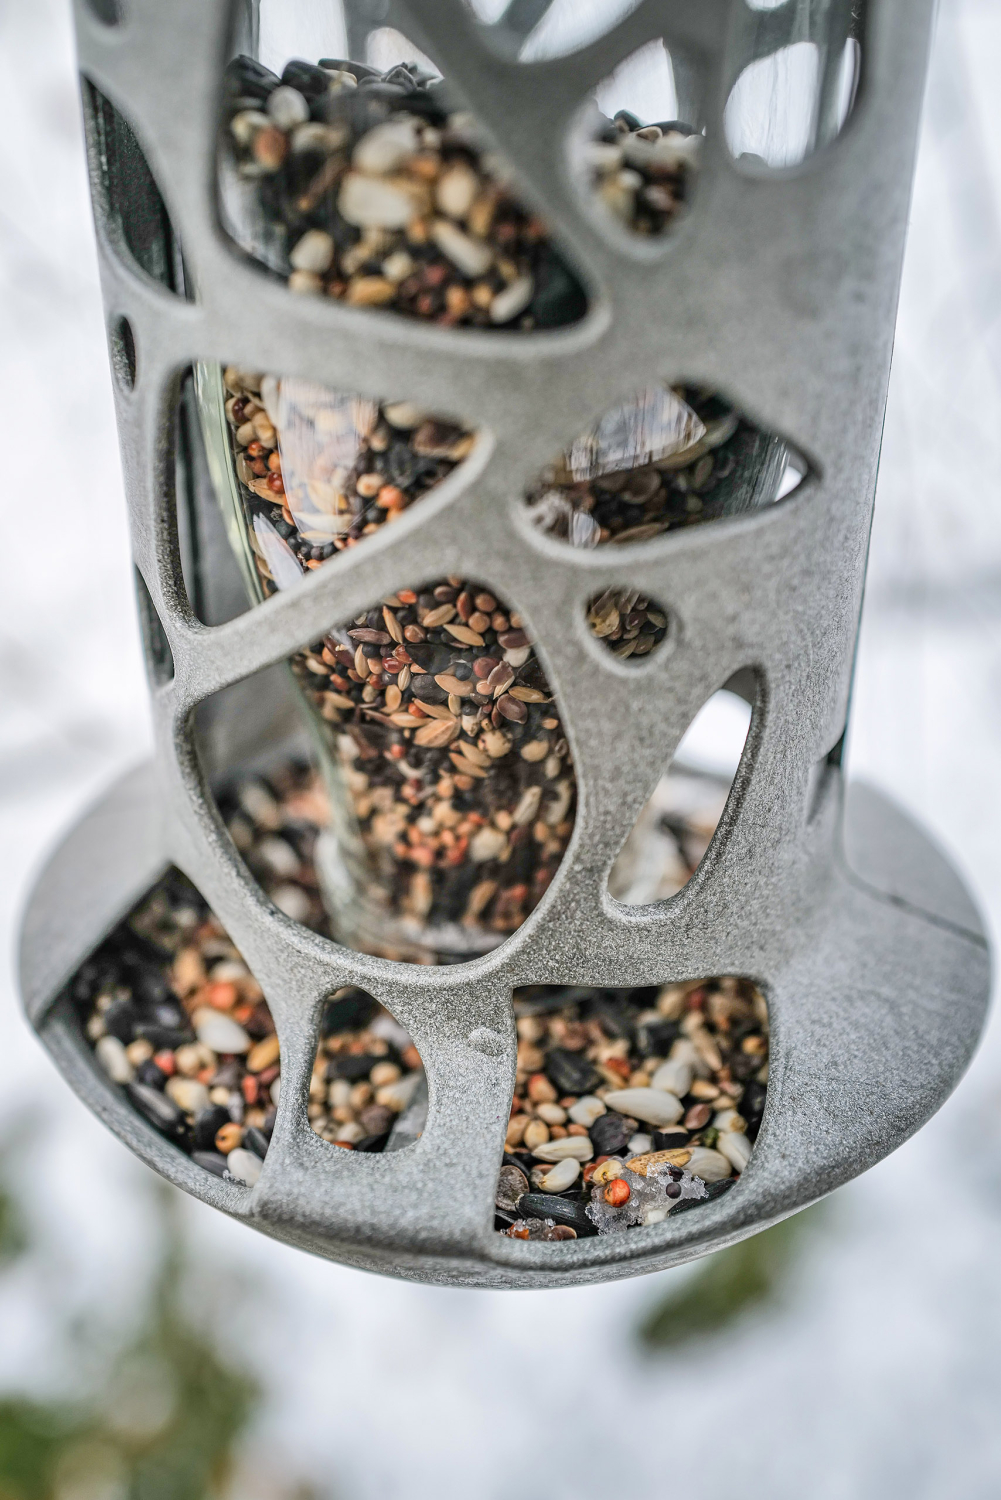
779	289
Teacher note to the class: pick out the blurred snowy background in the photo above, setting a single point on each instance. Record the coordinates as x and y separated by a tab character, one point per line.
855	1353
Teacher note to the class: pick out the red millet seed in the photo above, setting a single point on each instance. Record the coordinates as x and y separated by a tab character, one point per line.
617	1192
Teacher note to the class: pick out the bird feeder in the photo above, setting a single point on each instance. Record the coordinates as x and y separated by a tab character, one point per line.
517	416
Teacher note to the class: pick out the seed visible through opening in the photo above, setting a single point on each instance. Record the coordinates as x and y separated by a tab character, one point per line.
368	1091
178	1022
629	1104
627	623
667	457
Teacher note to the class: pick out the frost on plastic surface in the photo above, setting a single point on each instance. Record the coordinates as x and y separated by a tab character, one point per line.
650	1200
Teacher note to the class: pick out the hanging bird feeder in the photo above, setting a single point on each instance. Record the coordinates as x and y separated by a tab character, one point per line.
495	393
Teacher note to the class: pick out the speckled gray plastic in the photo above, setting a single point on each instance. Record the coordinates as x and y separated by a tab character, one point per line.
780	290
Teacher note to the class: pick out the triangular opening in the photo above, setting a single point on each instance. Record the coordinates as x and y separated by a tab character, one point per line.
368	1091
301	472
179	1024
674	829
664	458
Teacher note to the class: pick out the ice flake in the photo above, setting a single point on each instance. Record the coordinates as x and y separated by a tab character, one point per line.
648	1200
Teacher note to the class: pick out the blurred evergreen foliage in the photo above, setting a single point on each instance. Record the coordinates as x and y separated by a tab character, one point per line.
163	1418
729	1284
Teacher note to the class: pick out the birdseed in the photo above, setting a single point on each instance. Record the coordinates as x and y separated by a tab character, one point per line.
378	190
453	804
179	1023
643	174
656	1096
457	788
665	458
626	622
317	472
169	983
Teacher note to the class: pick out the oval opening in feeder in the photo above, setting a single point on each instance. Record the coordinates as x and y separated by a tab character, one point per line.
797	88
637	146
629	1104
135	204
123	353
670	837
444	793
368	1091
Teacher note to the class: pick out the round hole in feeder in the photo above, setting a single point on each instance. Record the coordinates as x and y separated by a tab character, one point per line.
630	625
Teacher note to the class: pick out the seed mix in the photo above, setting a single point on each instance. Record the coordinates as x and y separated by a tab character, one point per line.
453	754
178	1022
630	1104
643	173
375	189
651	1090
626	622
318	472
666	458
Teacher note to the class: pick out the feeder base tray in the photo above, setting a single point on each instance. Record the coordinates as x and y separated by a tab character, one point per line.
874	1016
